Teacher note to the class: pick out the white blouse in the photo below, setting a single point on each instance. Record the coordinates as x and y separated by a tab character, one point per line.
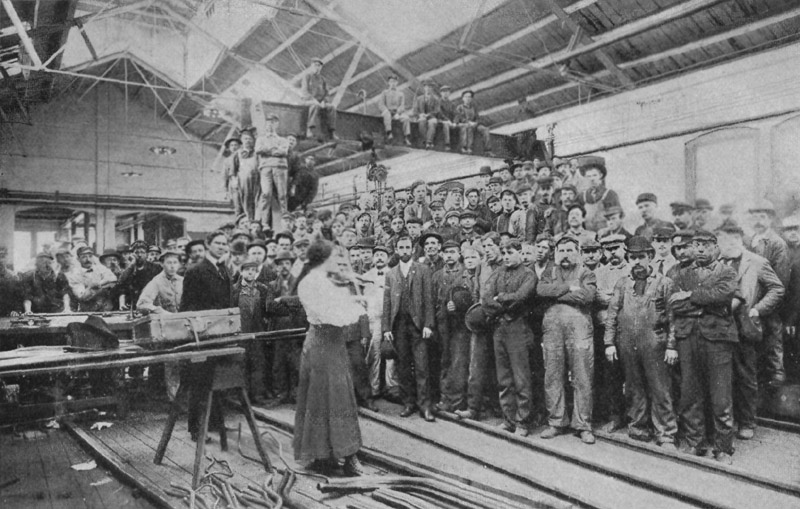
326	303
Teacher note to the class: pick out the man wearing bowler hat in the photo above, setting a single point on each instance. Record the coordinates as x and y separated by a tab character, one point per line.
230	172
638	336
760	294
707	336
315	92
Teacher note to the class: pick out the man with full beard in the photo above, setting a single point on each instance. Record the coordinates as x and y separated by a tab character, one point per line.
408	320
570	290
638	326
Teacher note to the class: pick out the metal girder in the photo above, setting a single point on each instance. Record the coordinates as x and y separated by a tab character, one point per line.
27	43
10	86
578	35
348	75
469	29
158	97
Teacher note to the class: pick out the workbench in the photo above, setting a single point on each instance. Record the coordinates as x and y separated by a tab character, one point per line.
51	328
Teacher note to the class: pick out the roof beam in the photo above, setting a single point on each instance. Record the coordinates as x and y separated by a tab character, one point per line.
155	93
600	41
348	75
672	52
469	29
530	29
361	34
579	34
27	43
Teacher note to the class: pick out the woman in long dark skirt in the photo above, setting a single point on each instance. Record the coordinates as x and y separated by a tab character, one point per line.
326	420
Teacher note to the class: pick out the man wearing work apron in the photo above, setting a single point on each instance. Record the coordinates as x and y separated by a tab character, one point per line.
598	198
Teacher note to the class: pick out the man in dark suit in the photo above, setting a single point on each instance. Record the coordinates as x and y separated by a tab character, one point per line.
760	293
707	337
419	208
408	316
207	285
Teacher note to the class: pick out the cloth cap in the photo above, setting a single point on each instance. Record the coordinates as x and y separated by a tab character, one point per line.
249	264
589	245
303	241
702	204
139	244
83	250
678	207
704	236
381	247
646	197
616	209
257	243
193	243
436	205
524	189
452	213
468	213
154	249
45	254
663	232
541	164
571	238
485	170
414	220
450	244
492	199
472	189
612	240
544	236
762	206
170	252
730	226
682	237
495	180
425	236
284	254
110	252
790	222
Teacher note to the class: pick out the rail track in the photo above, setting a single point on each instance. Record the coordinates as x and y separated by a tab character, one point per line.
600	476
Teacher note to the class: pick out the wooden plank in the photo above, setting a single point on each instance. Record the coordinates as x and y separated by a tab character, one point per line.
19	460
64	483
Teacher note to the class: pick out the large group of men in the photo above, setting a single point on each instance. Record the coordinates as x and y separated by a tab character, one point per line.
496	299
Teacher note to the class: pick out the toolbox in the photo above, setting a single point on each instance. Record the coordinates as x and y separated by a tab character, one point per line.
186	327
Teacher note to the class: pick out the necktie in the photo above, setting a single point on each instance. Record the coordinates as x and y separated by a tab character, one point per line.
380	272
660	266
221	269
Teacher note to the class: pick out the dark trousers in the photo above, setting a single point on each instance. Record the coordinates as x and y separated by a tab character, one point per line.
438	357
648	384
745	385
285	368
481	383
609	399
197	379
255	369
512	349
772	347
358	370
412	361
706	381
455	341
537	368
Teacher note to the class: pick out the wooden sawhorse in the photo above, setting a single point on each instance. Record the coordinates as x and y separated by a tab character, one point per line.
227	373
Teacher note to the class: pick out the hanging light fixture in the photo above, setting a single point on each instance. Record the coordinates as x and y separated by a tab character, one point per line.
163	150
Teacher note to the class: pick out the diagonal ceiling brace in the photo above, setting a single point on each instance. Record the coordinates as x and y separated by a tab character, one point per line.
348	75
10	86
158	97
85	36
578	35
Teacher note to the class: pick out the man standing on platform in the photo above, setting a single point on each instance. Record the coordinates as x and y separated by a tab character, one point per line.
767	243
570	291
506	299
207	285
315	91
272	151
638	335
707	337
408	320
760	293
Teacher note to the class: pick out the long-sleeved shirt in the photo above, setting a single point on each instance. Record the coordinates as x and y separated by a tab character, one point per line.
162	293
315	87
633	318
554	286
272	151
393	101
45	291
444	281
326	303
607	277
772	247
135	278
427	105
467	113
508	291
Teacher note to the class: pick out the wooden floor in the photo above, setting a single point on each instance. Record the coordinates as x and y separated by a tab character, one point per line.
41	461
132	443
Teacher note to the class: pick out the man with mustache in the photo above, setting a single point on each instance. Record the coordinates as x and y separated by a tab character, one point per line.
707	337
767	243
569	290
408	320
637	334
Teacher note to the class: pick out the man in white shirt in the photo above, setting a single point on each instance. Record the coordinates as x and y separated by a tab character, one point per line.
93	290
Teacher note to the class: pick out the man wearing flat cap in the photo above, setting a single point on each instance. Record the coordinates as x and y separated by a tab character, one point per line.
639	338
767	243
662	244
447	114
760	294
682	215
93	291
598	198
320	110
427	109
614	217
44	290
392	105
790	311
468	119
273	166
242	177
647	203
609	400
702	214
706	333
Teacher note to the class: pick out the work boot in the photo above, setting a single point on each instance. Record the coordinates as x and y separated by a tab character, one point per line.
587	437
523	431
724	458
427	414
507	426
353	467
551	432
467	414
746	433
668	446
408	410
408	141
